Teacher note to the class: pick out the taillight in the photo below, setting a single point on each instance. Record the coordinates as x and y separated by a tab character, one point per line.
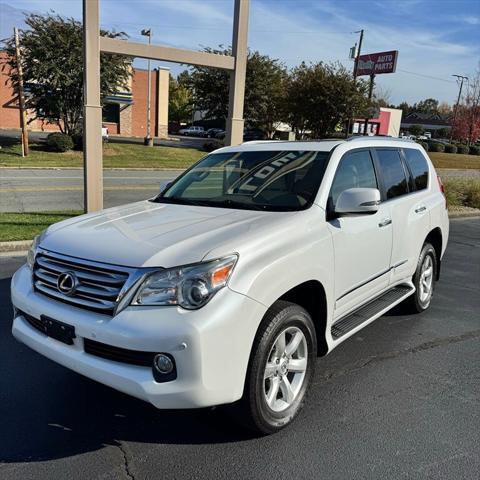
442	189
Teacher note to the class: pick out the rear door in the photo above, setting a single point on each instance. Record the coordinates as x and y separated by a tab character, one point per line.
362	243
404	189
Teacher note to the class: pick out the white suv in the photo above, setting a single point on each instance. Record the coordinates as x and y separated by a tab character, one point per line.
226	286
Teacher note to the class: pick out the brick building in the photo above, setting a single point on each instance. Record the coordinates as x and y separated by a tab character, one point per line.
124	113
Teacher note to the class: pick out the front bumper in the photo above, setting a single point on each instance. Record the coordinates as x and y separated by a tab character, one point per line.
211	346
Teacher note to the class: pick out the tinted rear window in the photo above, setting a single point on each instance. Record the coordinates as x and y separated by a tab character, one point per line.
393	173
418	166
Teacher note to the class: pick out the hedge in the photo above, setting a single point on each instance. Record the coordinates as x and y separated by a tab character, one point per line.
462	149
474	150
59	142
449	148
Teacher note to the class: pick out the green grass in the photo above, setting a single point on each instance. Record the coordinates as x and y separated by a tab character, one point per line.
455	160
462	192
24	226
115	155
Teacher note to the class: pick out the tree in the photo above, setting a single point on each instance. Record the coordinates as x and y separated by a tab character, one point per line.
382	96
320	97
467	116
406	109
264	89
416	130
180	105
429	105
445	109
53	70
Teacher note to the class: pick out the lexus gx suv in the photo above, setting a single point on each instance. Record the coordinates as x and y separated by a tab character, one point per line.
225	287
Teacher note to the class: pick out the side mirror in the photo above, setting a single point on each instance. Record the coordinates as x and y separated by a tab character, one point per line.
164	186
357	201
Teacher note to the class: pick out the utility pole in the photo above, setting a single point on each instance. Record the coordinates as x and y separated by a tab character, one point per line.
370	94
460	78
147	32
355	69
21	95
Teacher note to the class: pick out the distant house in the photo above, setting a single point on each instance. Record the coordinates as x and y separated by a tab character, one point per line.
429	121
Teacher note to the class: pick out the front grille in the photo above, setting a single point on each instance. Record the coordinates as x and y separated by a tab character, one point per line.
117	354
99	286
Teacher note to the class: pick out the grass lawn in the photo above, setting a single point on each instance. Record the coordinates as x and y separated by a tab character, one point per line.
115	155
24	226
455	160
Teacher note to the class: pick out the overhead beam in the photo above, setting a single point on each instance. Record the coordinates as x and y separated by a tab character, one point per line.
166	54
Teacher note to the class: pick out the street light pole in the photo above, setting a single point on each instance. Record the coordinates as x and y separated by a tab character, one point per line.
461	78
148	139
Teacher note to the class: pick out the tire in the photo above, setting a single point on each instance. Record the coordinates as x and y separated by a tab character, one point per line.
421	299
265	406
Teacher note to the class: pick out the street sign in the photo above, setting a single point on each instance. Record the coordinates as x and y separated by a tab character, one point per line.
377	63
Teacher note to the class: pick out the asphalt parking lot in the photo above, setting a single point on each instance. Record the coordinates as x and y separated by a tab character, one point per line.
399	400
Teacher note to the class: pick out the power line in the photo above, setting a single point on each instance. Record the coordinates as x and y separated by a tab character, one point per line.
425	76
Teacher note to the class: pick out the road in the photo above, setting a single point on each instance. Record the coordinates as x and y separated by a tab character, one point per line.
34	190
399	400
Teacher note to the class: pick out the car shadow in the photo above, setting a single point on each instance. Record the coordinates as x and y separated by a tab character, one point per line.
49	412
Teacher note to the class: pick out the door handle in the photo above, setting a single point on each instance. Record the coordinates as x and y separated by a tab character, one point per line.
385	222
420	209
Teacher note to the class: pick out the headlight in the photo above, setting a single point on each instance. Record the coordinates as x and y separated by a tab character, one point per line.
33	251
191	286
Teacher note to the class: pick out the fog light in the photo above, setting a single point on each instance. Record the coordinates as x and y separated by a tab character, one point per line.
163	364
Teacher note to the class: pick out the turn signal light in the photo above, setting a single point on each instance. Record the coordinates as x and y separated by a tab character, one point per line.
442	189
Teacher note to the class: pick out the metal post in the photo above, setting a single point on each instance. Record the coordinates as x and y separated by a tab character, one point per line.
149	139
370	94
21	95
235	121
92	109
355	69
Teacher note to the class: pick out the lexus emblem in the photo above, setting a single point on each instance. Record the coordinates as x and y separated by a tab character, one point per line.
67	283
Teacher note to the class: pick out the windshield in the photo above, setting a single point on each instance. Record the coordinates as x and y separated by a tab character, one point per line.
260	180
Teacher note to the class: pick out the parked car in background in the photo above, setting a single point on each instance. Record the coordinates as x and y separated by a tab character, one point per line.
192	131
226	286
212	132
253	134
220	135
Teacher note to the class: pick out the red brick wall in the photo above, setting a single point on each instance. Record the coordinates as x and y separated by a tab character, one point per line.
9	114
139	108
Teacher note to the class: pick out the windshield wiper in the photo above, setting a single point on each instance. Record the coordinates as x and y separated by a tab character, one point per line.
180	201
236	204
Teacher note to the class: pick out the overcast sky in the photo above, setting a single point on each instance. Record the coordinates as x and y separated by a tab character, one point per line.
435	38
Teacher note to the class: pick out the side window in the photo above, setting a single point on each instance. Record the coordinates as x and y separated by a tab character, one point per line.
392	171
355	170
418	166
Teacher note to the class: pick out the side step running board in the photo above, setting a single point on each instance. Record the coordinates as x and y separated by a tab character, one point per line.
382	303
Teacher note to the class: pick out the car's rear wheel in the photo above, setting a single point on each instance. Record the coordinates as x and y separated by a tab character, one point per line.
281	367
424	280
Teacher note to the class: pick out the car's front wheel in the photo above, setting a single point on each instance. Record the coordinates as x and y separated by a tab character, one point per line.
281	367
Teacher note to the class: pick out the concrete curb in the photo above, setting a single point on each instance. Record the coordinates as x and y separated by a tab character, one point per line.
454	215
20	246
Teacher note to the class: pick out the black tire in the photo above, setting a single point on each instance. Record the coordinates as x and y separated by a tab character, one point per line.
414	303
253	411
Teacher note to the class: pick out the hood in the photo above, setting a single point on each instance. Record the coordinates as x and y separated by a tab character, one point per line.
148	234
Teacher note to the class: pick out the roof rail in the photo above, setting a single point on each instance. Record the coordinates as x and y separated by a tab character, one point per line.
379	137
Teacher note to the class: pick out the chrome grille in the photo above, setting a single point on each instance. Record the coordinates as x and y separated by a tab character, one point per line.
99	286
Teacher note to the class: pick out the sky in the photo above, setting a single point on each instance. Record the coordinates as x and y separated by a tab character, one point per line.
435	38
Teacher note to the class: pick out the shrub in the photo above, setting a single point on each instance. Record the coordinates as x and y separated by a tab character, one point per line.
462	149
59	142
436	147
77	139
449	148
212	145
424	145
474	150
462	192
